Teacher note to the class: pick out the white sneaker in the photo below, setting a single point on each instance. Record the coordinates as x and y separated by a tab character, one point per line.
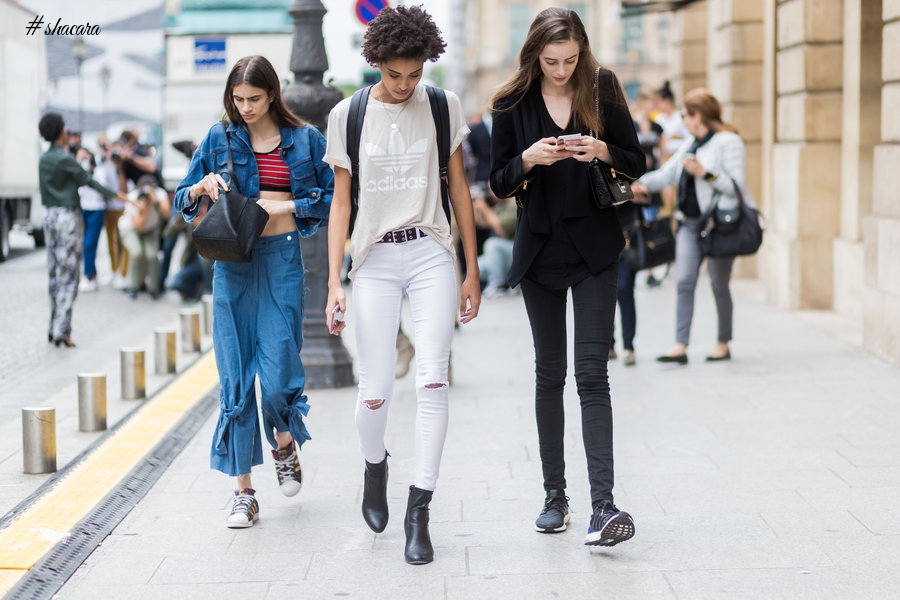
119	282
492	290
88	285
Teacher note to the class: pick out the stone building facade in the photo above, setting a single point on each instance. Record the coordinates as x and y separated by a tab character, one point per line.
811	87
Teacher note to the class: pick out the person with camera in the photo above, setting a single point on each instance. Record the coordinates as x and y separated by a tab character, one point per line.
109	173
93	212
258	306
565	241
59	177
140	228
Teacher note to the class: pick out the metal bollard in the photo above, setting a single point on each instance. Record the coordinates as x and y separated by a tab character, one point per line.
39	440
207	313
190	330
134	378
91	402
165	350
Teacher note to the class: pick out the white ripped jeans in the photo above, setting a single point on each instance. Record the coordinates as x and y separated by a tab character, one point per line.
424	271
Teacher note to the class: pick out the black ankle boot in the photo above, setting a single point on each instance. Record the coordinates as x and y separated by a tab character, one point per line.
374	504
419	550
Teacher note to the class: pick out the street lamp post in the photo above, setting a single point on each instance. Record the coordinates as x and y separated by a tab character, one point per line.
79	51
105	76
325	358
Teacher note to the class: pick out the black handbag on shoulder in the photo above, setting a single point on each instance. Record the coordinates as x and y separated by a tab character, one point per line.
733	232
233	223
648	244
608	186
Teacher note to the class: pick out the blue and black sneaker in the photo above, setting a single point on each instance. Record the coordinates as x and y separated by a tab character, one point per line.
609	526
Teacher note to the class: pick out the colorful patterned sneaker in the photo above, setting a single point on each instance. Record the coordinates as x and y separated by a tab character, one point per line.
244	510
555	514
287	467
609	526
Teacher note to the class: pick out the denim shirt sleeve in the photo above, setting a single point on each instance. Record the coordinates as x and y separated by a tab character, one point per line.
312	180
202	163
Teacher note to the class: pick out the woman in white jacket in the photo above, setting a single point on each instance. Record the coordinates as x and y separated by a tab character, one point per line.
710	163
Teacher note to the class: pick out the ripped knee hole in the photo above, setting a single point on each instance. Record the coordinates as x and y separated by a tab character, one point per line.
374	404
435	386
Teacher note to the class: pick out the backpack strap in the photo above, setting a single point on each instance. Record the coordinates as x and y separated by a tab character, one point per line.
441	114
355	118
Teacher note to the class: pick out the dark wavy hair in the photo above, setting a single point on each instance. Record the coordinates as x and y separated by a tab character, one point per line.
258	72
51	126
402	32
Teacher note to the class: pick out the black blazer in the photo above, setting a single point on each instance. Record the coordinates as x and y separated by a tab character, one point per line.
595	233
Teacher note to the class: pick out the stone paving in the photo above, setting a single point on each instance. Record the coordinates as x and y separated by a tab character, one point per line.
773	476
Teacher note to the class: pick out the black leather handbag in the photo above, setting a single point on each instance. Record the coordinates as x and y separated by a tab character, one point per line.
233	223
733	232
608	186
649	244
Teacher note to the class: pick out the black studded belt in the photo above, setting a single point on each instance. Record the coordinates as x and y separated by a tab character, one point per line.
401	235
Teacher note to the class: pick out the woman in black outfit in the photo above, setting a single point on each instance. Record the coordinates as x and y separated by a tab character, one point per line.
563	241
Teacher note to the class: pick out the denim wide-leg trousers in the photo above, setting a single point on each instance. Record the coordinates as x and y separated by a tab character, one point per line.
258	330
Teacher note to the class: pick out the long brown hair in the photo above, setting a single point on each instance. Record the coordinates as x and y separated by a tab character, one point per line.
701	101
258	72
550	26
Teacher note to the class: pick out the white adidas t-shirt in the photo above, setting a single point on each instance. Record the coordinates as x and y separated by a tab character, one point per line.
399	183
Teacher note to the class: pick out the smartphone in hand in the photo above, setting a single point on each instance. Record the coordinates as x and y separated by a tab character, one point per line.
337	317
569	137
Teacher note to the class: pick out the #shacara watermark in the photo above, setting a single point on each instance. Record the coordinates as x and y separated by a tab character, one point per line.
60	28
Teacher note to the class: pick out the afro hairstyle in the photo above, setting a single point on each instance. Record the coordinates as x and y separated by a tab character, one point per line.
402	32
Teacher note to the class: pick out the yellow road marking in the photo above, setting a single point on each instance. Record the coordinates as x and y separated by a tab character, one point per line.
37	530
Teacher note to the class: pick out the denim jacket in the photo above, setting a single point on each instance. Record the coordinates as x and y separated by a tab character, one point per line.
312	180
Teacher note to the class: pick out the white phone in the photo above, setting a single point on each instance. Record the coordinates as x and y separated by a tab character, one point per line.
569	137
337	317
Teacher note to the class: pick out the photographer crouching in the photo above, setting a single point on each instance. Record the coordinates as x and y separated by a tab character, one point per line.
139	228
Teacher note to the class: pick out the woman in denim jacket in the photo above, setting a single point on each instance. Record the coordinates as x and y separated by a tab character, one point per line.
258	306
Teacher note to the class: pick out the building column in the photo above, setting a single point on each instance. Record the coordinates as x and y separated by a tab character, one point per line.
881	230
735	76
805	193
861	133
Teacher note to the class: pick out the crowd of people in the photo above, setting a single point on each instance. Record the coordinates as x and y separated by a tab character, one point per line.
511	212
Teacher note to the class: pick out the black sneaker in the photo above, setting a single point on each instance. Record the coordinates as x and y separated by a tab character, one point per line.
555	514
609	526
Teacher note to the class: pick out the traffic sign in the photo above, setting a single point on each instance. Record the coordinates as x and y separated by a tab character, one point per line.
366	10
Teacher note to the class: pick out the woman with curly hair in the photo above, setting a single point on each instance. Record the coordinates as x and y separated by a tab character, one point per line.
564	241
401	245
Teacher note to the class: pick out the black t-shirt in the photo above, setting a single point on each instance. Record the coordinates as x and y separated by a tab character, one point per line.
559	265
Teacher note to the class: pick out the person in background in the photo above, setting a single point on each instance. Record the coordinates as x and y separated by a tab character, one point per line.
258	306
93	212
565	241
109	173
140	229
401	245
711	163
500	219
674	132
59	177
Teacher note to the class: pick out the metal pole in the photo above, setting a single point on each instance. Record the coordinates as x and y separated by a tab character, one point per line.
325	359
207	313
190	330
165	354
133	371
91	402
39	440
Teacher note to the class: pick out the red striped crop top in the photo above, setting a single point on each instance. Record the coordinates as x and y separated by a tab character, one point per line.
274	175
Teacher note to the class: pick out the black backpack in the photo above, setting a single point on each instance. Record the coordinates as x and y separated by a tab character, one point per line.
357	114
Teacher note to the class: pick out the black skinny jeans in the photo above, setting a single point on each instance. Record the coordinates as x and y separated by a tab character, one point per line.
594	304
